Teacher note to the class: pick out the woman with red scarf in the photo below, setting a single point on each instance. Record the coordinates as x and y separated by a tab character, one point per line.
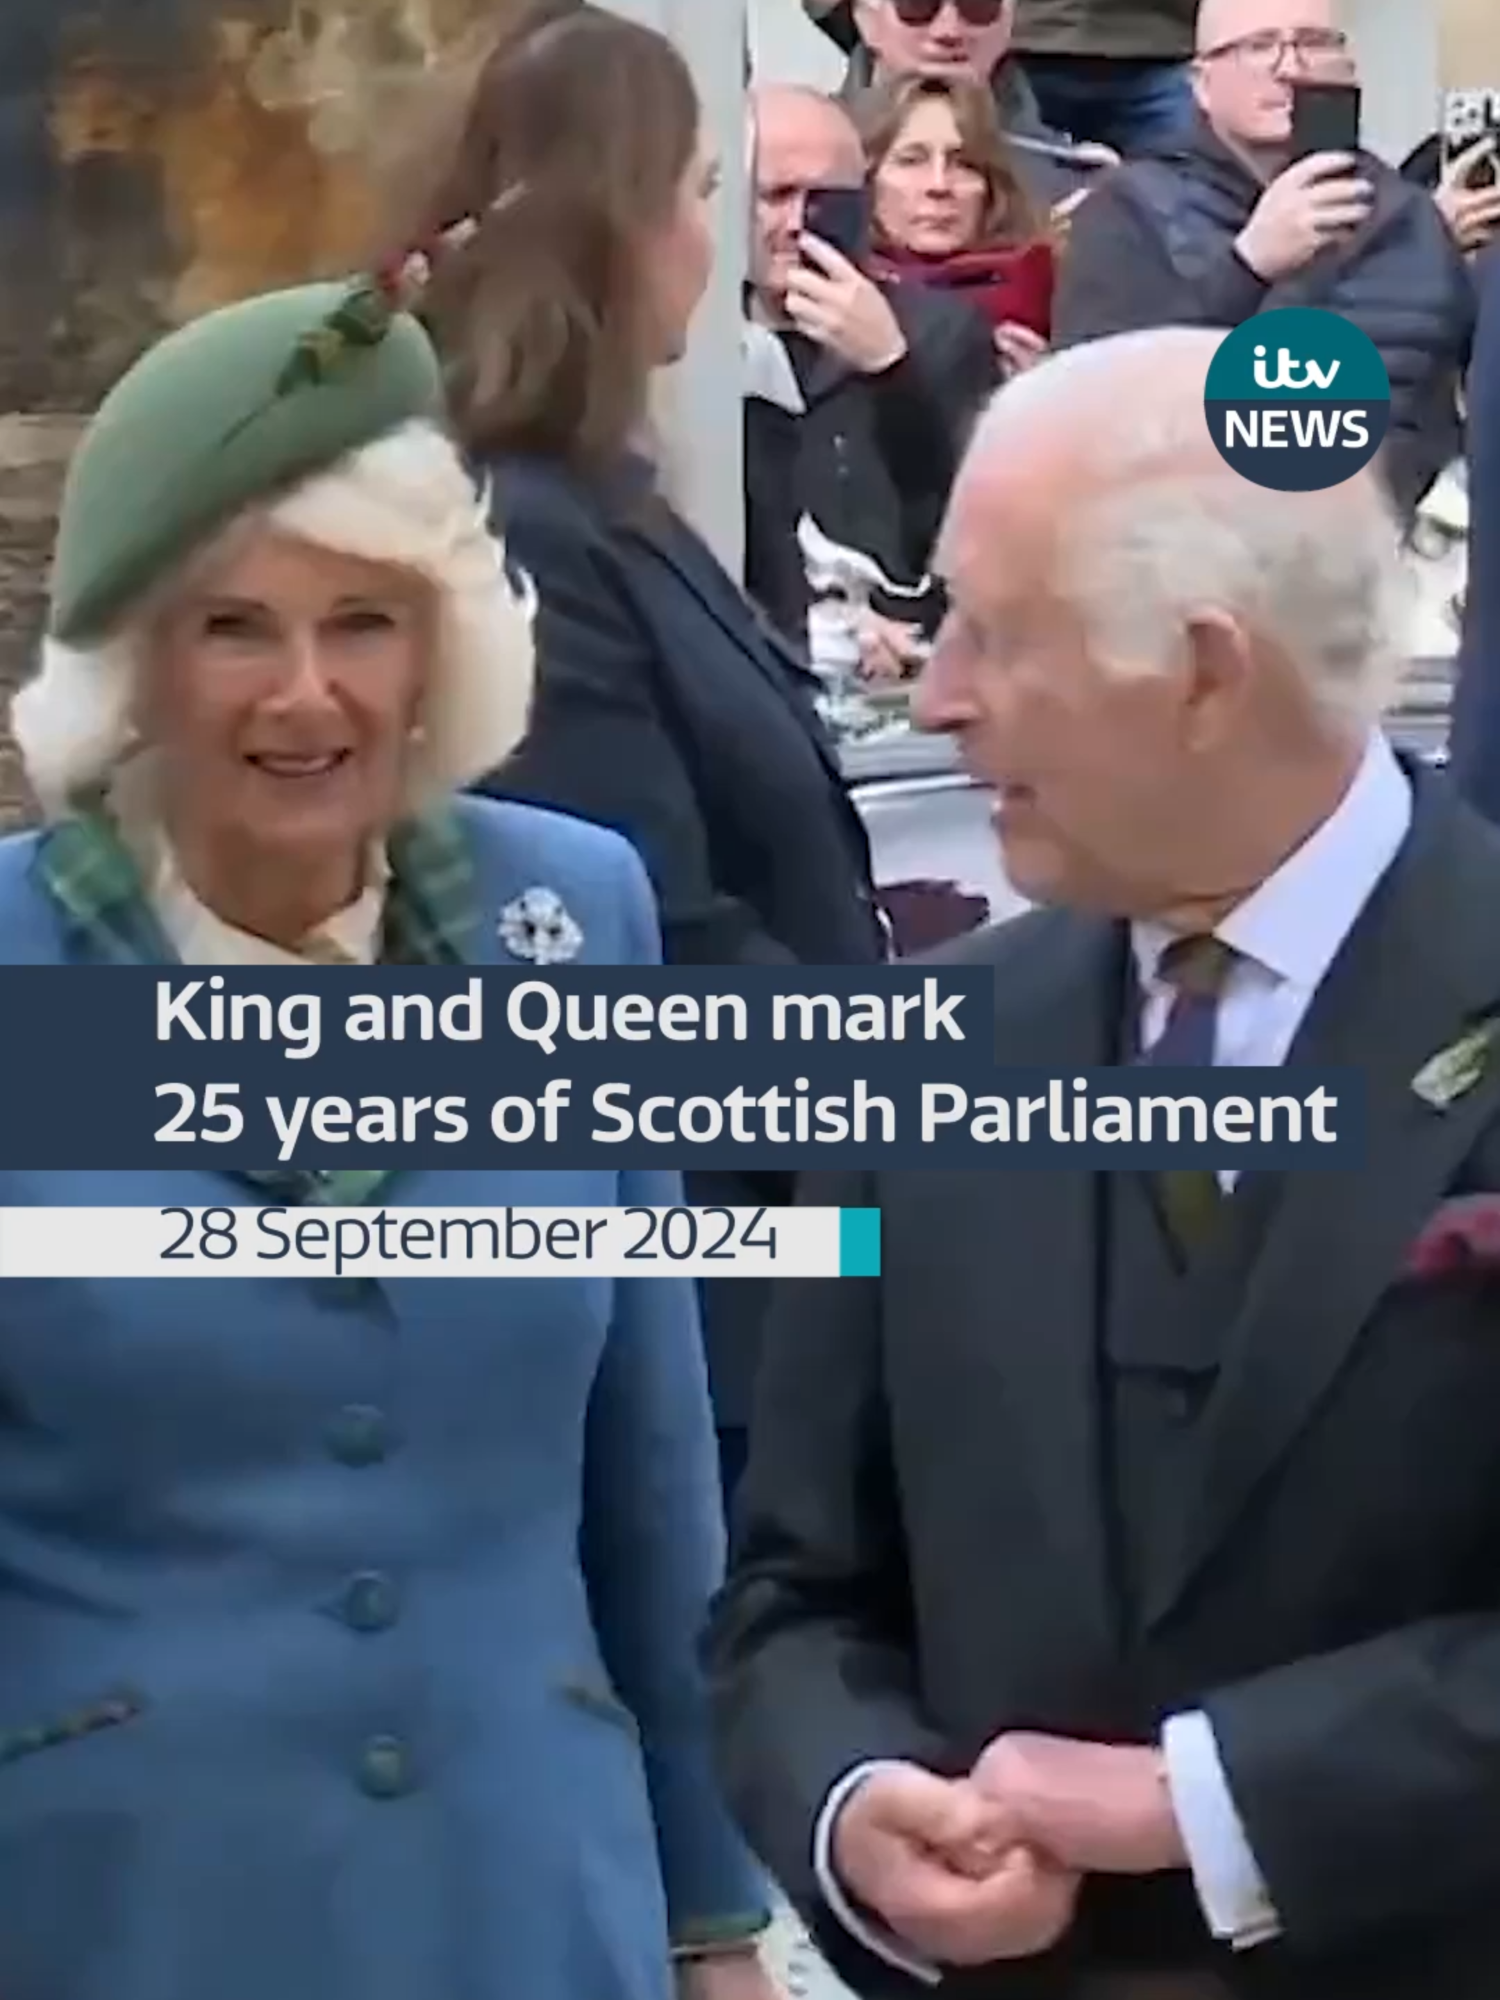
950	210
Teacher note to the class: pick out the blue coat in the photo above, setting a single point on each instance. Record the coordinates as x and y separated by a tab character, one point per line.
404	1581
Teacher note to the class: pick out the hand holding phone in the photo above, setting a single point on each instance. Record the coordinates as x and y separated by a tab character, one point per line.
1317	200
839	217
1325	119
833	303
1468	196
829	298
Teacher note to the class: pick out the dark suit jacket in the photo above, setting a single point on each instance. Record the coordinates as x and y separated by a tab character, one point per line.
872	457
666	709
922	1559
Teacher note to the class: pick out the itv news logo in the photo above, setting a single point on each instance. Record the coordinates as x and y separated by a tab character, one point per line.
1297	400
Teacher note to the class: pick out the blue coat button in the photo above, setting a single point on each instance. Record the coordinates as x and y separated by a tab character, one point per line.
385	1768
371	1602
359	1434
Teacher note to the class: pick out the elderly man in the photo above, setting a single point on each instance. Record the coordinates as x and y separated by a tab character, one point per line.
884	381
1222	227
1118	1579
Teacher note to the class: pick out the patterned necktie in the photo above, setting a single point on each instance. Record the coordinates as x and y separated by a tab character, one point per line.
1196	969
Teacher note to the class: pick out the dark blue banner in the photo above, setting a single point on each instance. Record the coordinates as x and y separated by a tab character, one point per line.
138	1067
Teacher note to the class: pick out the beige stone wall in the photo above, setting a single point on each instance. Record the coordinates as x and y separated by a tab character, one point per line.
1468	42
33	456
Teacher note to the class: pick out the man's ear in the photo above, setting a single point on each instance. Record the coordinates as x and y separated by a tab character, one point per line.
1219	666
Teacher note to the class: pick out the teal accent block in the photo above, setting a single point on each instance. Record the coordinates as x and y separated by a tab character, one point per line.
859	1242
1297	354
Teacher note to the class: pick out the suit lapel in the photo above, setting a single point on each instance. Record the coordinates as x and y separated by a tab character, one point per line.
1035	1239
1415	972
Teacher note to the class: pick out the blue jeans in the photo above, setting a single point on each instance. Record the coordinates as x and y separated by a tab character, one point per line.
1130	106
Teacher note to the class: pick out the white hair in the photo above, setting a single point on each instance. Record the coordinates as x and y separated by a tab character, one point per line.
1173	533
406	500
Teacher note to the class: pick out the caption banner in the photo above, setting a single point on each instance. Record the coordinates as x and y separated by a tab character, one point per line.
327	1069
380	1243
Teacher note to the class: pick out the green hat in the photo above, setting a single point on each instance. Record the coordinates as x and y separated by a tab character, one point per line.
219	416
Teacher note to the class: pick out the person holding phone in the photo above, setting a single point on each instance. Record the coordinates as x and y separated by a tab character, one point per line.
1468	194
1271	201
950	210
889	377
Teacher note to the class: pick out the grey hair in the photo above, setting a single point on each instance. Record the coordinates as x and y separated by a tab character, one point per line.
406	500
1173	534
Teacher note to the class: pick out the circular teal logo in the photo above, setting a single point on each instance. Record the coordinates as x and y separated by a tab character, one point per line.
1298	400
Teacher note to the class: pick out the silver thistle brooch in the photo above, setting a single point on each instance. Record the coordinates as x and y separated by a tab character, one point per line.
538	927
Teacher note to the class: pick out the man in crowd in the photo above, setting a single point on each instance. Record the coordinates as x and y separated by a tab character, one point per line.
962	38
1118	1574
1222	227
886	381
1114	71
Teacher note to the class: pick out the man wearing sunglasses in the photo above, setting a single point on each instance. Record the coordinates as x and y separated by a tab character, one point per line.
1227	224
961	38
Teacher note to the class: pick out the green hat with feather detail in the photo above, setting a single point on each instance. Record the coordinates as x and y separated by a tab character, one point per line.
222	415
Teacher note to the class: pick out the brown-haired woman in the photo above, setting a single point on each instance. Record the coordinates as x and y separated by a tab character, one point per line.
664	707
950	209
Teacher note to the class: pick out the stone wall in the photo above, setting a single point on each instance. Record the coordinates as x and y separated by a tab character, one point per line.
33	455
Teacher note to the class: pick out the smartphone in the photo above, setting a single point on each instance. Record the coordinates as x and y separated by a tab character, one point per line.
1325	118
1468	117
839	217
1018	287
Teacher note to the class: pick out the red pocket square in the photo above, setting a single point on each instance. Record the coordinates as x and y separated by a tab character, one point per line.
1463	1235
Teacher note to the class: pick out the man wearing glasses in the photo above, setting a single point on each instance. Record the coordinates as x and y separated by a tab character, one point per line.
1224	225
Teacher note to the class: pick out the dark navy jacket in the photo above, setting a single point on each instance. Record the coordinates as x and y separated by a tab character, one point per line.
1153	246
667	709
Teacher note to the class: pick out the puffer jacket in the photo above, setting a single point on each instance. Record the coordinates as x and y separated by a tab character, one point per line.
1154	246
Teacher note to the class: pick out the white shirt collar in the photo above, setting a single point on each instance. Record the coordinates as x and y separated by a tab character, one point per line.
351	936
1295	923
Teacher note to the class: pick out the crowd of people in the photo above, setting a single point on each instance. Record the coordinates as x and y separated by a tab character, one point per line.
1111	1608
1170	200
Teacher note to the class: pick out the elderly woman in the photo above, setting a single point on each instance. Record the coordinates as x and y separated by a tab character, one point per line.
349	1628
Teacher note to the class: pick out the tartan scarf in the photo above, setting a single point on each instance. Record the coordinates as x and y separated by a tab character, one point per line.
87	869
